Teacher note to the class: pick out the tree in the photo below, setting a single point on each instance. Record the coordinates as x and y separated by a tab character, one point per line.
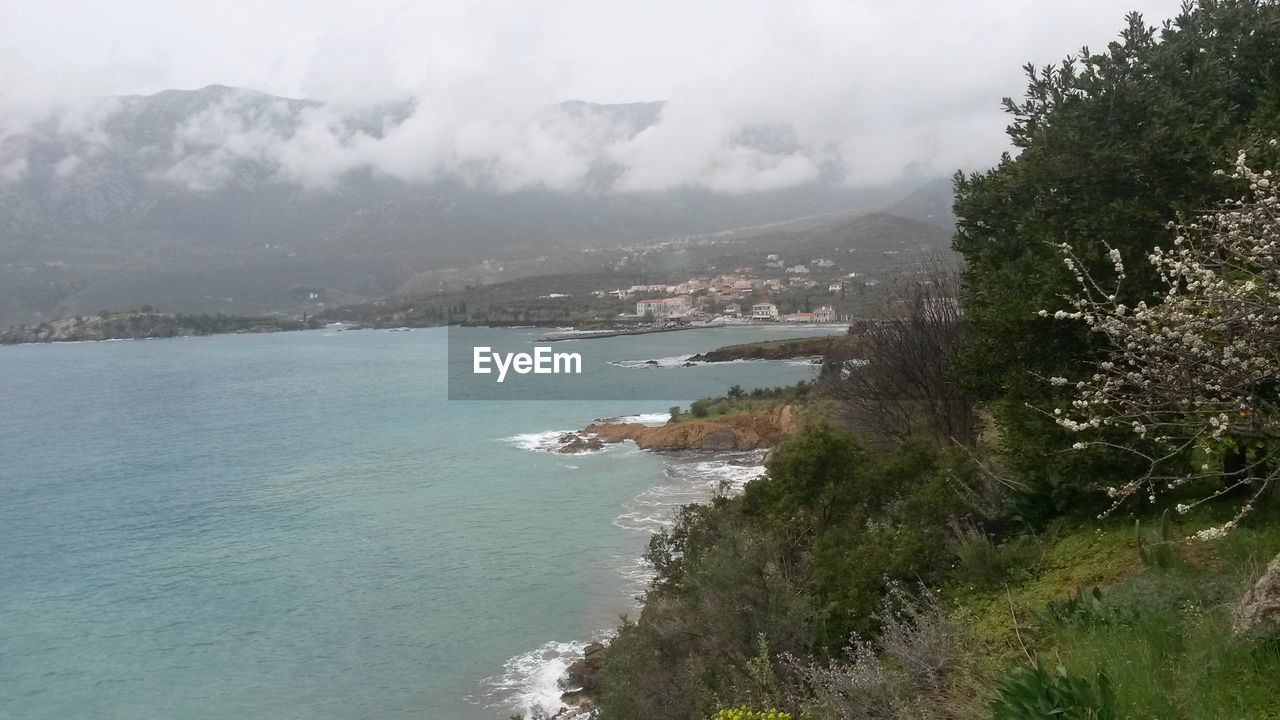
1194	376
1111	147
901	387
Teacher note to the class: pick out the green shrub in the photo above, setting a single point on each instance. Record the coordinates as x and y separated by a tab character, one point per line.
983	563
1084	608
1157	554
1034	692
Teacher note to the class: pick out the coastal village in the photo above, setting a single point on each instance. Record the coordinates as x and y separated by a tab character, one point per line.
742	295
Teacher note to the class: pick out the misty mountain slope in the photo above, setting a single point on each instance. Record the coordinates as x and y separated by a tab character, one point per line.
931	203
875	242
243	195
877	232
878	239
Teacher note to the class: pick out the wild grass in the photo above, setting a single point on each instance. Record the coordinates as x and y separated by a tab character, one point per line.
1159	632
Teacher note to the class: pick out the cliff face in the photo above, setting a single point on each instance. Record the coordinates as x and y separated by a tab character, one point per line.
743	431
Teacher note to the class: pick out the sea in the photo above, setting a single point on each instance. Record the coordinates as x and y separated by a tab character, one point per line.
302	525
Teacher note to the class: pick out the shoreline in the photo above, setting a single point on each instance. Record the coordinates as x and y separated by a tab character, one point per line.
575	683
572	334
598	334
700	472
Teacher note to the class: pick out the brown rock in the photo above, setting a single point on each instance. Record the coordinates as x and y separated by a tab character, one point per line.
577	444
742	431
1258	612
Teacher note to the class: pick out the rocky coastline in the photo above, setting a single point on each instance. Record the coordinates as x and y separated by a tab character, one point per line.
583	680
840	346
748	430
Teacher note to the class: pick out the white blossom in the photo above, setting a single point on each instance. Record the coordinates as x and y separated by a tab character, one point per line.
1198	363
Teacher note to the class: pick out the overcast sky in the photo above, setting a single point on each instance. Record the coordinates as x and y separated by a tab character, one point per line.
885	86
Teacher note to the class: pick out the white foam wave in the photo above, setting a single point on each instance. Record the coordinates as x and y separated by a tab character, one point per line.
549	442
651	419
665	362
531	681
546	441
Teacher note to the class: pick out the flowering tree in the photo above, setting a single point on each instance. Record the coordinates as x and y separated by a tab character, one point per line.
1195	375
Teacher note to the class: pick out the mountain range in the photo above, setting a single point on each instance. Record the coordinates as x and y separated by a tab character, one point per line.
228	200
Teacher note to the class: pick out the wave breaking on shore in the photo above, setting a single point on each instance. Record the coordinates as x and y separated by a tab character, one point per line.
533	680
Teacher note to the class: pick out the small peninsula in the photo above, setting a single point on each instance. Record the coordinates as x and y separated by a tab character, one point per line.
143	324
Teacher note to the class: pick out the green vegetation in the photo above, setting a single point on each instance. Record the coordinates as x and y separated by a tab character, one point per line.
745	713
548	300
1034	692
1162	637
146	323
805	347
747	580
1113	146
952	553
757	599
738	400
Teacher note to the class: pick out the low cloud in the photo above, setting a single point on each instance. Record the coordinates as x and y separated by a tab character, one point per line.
758	95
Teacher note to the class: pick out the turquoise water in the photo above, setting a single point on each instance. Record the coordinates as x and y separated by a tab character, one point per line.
300	525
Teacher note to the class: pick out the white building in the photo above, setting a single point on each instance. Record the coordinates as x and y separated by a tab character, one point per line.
764	311
732	310
664	307
653	308
836	286
824	314
798	269
647	289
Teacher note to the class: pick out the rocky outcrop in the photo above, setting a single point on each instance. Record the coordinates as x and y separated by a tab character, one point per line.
574	443
742	431
1258	612
837	346
583	677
